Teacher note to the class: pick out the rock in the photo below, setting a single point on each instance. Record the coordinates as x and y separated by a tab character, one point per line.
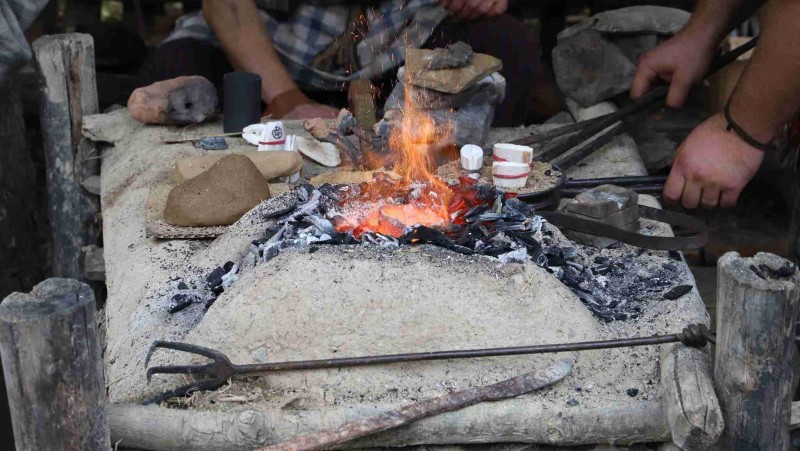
182	100
219	196
323	153
455	55
677	292
597	58
272	165
451	81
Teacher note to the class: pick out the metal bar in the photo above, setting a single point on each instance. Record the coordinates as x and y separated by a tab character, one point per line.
449	355
641	189
619	181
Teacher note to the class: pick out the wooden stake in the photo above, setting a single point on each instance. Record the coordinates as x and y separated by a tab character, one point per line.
51	362
756	314
65	64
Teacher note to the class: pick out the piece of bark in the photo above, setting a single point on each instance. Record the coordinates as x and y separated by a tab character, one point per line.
219	196
181	100
272	165
323	153
690	403
385	421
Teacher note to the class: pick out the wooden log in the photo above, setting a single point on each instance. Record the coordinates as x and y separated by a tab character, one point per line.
690	404
52	366
756	312
161	429
65	64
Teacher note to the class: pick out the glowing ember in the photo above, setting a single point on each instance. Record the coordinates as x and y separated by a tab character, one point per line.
387	205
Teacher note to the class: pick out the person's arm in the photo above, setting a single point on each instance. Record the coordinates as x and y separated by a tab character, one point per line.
468	10
714	164
244	38
684	59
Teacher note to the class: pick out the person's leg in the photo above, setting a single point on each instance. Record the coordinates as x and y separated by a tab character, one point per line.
530	95
185	57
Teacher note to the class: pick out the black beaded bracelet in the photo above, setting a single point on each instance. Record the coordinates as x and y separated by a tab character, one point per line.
732	125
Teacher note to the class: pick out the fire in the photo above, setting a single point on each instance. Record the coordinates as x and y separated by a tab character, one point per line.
387	206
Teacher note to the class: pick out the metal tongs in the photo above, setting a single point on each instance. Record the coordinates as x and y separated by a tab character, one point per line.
585	137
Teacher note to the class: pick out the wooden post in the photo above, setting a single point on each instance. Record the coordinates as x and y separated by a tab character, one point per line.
756	312
65	64
51	362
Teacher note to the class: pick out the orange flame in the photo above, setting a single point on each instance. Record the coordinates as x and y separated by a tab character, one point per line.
427	203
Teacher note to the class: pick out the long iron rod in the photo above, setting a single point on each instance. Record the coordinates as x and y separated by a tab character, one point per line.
447	355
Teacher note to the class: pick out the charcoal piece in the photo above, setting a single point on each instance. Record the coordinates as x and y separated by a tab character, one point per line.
757	272
632	392
572	402
486	193
209	303
214	278
313	249
321	224
304	191
569	253
270	253
475	211
510	226
572	277
520	206
227	266
675	255
424	234
179	302
218	289
455	55
670	267
601	260
788	269
280	211
677	292
212	143
534	247
554	257
330	191
183	286
600	270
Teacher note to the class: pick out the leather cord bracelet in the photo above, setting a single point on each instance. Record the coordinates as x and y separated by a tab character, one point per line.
732	125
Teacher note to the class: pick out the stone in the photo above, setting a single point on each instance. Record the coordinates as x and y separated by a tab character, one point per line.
451	81
272	165
602	201
596	58
181	100
323	153
455	55
218	196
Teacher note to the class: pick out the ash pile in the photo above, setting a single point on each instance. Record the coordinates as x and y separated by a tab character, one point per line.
615	283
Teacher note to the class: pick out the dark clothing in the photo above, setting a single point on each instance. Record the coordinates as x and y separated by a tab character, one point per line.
503	37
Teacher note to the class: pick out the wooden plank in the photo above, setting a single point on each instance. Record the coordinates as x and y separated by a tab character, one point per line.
691	406
52	365
65	64
755	343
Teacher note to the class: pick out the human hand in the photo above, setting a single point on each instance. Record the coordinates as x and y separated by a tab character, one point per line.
682	61
312	110
474	9
711	167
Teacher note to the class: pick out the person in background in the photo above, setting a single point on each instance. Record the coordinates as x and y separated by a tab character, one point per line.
312	48
722	154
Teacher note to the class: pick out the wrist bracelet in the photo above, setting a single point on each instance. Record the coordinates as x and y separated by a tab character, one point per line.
732	125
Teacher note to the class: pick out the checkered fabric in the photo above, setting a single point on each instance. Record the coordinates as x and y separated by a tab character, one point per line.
382	34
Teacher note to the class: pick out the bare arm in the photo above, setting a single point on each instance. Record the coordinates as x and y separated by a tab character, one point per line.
237	24
684	59
768	92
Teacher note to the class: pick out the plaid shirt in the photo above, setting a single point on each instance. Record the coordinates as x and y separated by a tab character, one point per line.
382	35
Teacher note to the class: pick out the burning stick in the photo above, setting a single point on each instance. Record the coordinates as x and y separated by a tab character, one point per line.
509	388
324	131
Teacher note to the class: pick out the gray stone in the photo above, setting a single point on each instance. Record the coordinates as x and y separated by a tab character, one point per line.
602	201
597	58
455	55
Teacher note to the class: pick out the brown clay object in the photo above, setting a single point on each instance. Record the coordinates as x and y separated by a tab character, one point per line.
452	81
181	100
272	165
219	196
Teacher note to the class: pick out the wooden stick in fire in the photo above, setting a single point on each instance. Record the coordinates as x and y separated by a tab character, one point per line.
509	388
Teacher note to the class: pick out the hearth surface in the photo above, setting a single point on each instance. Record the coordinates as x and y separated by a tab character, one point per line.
434	305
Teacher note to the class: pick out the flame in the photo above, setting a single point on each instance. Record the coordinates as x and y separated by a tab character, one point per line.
419	197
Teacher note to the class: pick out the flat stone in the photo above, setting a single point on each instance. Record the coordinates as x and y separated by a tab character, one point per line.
602	201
